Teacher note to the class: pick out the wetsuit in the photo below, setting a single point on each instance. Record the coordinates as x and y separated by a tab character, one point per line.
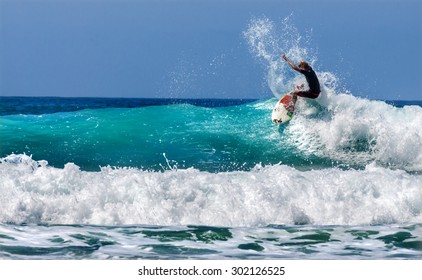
311	78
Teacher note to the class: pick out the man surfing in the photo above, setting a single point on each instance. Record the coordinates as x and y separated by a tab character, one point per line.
311	79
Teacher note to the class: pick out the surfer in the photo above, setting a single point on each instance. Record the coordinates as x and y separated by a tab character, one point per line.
311	78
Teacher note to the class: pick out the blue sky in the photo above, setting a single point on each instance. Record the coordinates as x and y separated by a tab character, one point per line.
196	48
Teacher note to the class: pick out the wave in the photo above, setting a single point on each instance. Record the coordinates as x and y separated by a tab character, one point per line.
338	130
356	130
33	192
211	139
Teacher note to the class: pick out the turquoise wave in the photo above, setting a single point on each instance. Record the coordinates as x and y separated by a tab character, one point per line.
346	132
152	138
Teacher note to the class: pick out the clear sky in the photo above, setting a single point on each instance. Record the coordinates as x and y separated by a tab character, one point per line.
196	48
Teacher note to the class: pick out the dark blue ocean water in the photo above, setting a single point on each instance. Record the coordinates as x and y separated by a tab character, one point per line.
48	105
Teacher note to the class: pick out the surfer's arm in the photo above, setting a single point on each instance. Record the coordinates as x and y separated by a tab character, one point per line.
290	63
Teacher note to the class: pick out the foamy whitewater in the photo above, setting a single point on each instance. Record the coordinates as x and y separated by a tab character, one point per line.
214	180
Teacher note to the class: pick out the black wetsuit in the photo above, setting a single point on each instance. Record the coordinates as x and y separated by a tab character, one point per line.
312	79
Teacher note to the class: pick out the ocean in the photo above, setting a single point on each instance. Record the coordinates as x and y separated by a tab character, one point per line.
96	178
116	178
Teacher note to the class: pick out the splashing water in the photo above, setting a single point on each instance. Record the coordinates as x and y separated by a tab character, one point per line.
268	43
337	124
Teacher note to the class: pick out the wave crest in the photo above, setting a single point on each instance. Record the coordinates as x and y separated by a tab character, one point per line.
275	194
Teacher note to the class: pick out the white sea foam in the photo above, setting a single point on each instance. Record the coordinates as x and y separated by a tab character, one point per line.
358	130
33	192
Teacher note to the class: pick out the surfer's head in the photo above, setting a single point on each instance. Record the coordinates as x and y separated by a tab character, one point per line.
304	65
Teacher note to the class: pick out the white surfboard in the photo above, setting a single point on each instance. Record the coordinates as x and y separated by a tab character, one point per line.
283	110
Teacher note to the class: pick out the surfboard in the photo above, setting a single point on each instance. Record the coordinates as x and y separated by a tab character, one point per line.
283	110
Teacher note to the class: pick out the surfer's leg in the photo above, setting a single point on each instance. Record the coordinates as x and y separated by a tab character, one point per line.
291	105
307	94
294	97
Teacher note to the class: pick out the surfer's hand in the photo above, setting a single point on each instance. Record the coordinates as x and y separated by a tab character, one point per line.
284	57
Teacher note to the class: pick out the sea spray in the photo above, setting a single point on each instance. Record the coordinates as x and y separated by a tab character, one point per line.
268	41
